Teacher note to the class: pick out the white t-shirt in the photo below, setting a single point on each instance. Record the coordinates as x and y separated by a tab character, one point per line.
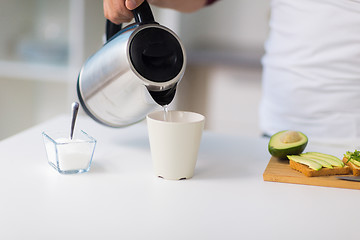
311	78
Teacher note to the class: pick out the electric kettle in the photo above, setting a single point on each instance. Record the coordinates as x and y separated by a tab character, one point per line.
136	70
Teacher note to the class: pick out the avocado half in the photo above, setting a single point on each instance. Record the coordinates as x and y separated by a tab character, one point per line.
287	143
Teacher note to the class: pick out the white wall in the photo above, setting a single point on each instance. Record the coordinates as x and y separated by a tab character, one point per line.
228	25
31	95
225	44
234	97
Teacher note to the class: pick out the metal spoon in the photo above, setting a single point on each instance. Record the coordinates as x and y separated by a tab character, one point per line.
75	109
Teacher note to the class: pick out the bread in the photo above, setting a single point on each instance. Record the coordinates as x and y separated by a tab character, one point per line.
322	172
354	168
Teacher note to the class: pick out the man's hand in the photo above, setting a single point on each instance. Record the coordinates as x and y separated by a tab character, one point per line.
119	11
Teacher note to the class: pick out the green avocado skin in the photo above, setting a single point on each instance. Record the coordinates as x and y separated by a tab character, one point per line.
293	149
282	153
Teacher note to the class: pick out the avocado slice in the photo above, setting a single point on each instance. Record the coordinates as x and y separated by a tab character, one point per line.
327	157
353	157
286	143
310	163
355	162
323	162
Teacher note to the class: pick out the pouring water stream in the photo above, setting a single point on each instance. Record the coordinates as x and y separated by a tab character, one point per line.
166	110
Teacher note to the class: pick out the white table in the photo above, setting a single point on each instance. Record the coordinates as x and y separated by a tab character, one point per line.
120	198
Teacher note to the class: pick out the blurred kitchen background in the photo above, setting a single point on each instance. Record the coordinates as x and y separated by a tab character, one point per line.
43	44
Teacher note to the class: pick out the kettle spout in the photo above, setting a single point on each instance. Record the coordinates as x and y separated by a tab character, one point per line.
164	97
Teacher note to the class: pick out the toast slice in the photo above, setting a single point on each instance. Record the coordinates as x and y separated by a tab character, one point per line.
354	168
322	172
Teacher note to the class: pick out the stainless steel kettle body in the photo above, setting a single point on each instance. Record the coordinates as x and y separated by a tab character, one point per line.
137	70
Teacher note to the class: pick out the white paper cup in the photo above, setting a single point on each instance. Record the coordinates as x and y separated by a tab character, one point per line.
174	142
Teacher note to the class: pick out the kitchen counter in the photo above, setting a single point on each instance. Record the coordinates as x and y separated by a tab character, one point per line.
120	198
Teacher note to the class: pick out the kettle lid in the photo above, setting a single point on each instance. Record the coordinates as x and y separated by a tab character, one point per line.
156	54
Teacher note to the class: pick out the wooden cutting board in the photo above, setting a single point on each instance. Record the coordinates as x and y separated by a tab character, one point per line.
280	171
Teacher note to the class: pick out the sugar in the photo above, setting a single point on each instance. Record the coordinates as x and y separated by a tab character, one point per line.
72	154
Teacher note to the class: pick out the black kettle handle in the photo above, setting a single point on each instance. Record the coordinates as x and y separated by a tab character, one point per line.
111	29
142	15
